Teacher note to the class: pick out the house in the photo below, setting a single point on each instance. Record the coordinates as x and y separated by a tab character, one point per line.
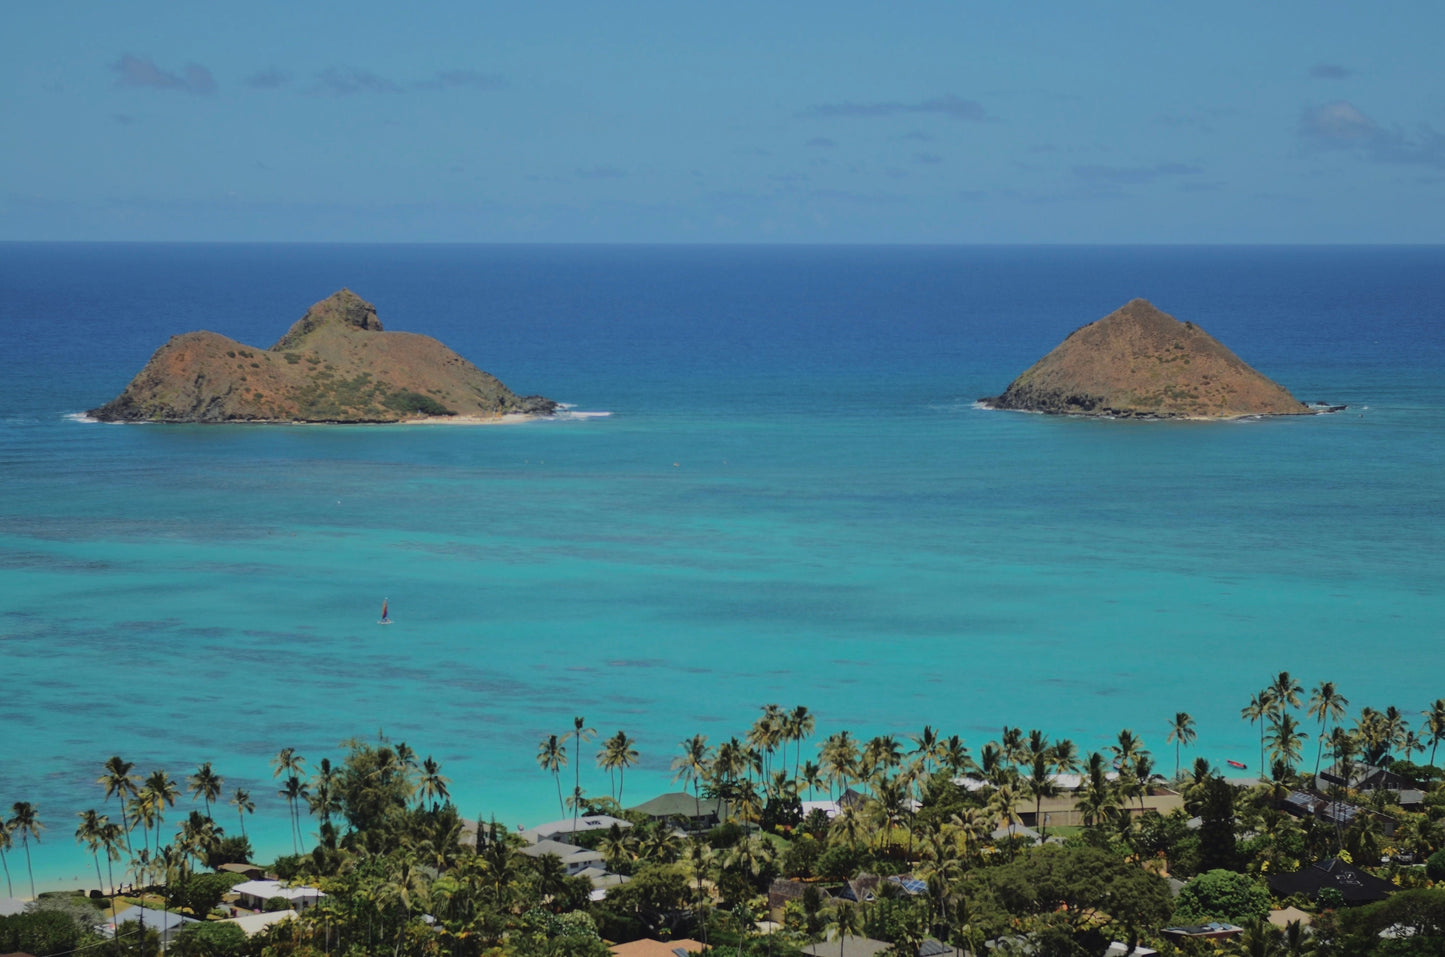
255	894
1334	812
575	859
249	871
1214	930
602	882
648	947
1354	885
849	946
1364	777
685	810
571	827
168	923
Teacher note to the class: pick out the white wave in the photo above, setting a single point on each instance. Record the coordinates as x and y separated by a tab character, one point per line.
568	414
78	417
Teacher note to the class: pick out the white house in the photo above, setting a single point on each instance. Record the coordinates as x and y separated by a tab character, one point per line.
255	894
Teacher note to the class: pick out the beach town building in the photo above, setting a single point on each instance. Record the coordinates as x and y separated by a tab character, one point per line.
255	894
648	947
569	828
575	859
1063	811
684	810
167	923
1355	886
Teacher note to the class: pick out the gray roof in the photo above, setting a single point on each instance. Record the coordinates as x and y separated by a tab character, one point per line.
11	905
569	853
555	829
851	947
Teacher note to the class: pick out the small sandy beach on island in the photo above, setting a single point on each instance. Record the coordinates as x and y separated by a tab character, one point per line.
510	418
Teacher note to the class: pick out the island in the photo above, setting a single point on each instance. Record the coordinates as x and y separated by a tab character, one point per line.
1140	362
335	365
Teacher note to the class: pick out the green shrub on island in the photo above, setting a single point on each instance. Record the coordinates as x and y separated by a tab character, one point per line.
408	403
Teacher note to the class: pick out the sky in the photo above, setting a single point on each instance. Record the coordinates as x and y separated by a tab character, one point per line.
738	122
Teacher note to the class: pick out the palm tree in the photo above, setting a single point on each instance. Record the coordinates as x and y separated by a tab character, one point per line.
799	724
552	758
953	755
616	755
1326	704
692	766
1181	732
881	753
847	921
5	845
1066	756
1040	784
243	804
205	784
89	832
110	835
581	733
1098	801
27	823
1435	726
288	762
293	790
162	791
1285	740
766	733
1128	750
1011	746
1260	707
839	757
1284	692
118	781
433	783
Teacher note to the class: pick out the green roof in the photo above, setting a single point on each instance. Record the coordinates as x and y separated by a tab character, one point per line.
680	804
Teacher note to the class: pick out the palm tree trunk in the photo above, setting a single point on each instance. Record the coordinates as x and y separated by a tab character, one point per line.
24	841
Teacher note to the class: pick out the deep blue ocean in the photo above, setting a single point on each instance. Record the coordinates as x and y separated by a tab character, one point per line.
795	500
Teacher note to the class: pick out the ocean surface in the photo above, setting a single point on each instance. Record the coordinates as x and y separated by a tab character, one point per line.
794	499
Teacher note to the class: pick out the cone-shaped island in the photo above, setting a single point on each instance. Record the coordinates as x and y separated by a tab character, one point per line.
1139	362
336	364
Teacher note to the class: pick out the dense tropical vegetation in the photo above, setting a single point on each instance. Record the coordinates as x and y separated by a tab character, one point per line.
377	830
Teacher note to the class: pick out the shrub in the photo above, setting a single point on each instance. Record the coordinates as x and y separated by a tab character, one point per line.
1435	866
1222	895
274	904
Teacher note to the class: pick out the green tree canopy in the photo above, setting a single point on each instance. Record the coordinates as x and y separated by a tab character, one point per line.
1077	891
1222	895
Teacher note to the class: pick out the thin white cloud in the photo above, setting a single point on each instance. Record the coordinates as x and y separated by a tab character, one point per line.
142	73
1343	126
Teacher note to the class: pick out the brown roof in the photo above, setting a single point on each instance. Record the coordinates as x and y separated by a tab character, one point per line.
647	947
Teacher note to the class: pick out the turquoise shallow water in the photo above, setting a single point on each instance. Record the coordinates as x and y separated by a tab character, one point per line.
795	500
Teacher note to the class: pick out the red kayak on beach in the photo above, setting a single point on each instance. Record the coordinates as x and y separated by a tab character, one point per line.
1235	764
